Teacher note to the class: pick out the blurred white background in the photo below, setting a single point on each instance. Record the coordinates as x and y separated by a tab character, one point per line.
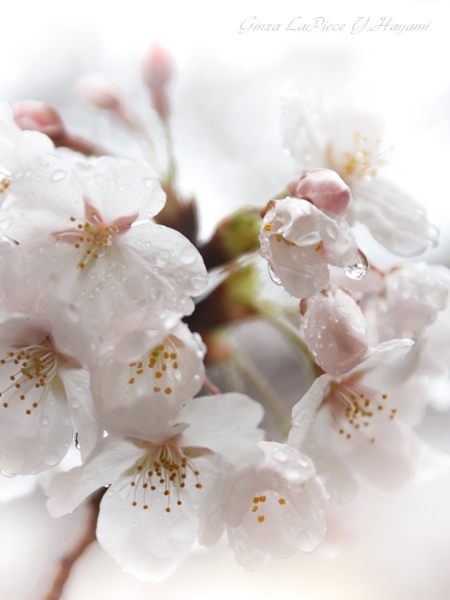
226	127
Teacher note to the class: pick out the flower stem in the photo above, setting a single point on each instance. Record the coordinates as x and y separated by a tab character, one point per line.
210	387
265	392
69	560
268	312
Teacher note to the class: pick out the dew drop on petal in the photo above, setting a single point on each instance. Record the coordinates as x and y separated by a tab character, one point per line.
52	459
188	257
359	269
309	539
281	456
9	475
45	421
273	276
58	175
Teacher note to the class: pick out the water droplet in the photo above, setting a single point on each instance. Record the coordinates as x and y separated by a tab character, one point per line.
273	276
52	459
292	474
309	539
188	257
45	421
331	229
74	402
6	224
9	475
281	456
58	175
76	440
359	269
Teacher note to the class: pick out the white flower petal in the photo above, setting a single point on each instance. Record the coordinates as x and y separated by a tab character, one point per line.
304	412
412	297
35	433
19	329
226	424
81	405
167	366
304	126
285	511
396	220
151	543
16	145
108	461
121	186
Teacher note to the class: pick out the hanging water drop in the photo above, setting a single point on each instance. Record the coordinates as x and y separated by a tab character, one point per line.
273	276
9	475
360	268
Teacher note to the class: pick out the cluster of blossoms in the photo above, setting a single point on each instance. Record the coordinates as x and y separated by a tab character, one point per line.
100	341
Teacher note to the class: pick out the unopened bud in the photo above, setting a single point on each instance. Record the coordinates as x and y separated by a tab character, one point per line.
233	300
157	68
335	330
324	188
39	116
234	236
100	91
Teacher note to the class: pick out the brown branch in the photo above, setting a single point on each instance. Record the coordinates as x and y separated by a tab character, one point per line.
69	560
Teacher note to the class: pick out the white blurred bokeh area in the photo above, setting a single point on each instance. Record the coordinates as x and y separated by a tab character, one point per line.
226	130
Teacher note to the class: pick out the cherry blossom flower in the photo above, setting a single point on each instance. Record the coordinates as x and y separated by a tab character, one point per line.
38	116
299	241
85	236
100	91
165	488
146	363
429	386
335	330
39	389
275	508
349	427
412	296
17	146
347	139
324	188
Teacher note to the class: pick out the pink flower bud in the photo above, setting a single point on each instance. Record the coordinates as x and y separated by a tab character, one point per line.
157	68
38	116
100	91
335	330
324	188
